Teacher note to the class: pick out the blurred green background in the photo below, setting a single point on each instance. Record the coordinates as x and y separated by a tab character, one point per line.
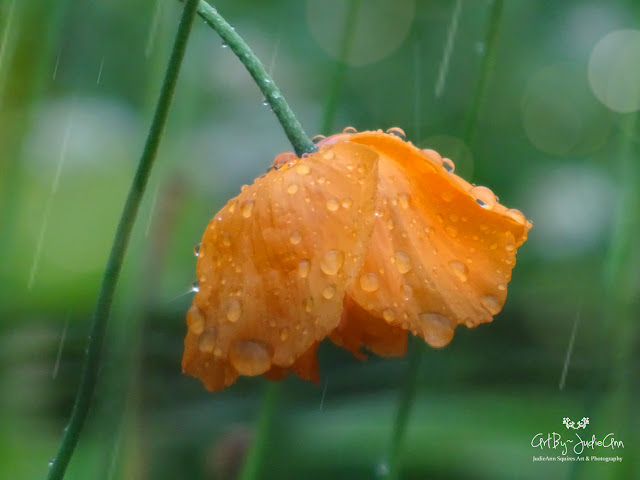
555	136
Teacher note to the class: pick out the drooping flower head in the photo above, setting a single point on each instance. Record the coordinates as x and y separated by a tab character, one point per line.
362	242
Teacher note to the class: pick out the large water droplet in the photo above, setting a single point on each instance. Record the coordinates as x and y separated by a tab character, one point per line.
332	262
460	270
517	215
333	204
283	159
398	132
436	329
484	197
207	340
318	138
491	303
250	357
349	130
293	188
369	282
329	292
303	169
403	262
234	311
247	208
433	156
295	237
196	249
195	287
303	268
448	165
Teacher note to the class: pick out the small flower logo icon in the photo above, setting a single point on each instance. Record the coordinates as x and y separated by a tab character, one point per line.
571	424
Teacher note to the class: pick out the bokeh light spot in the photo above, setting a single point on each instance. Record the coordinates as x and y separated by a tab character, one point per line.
614	70
379	29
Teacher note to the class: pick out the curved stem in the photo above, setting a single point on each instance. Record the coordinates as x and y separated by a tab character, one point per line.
123	233
292	128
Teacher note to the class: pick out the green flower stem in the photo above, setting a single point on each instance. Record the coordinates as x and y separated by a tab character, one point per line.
341	66
123	234
256	455
491	42
295	133
408	394
404	409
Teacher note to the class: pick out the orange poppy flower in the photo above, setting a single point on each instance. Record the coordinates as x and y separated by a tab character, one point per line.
362	242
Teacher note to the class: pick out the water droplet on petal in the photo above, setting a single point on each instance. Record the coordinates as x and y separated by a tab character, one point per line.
318	138
195	320
195	287
207	340
303	268
403	200
196	249
332	262
328	155
398	132
293	188
451	231
346	203
509	243
484	197
308	304
295	237
284	334
303	169
283	159
250	357
226	239
436	329
369	282
333	204
491	303
448	165
388	315
502	287
433	155
517	215
460	270
349	130
403	262
247	208
234	311
329	292
408	291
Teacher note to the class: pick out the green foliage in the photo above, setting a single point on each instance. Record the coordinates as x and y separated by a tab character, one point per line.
540	138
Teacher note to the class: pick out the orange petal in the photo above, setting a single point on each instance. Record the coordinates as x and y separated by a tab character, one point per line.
358	328
442	251
274	264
